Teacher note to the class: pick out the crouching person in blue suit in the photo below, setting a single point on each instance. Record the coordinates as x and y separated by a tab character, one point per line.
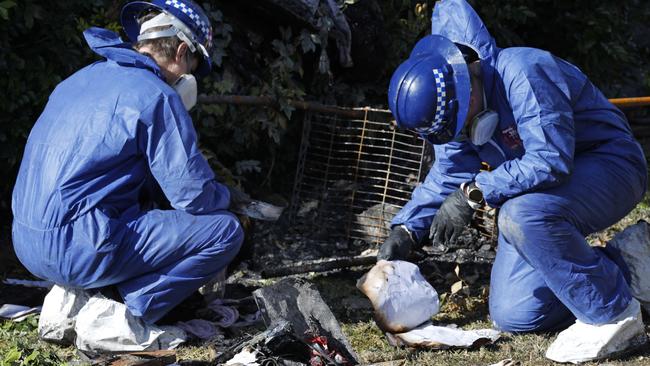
564	164
112	137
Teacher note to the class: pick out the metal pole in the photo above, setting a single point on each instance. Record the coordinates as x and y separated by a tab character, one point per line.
631	102
268	101
356	112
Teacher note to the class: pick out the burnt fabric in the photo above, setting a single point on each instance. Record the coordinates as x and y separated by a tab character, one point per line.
563	164
113	140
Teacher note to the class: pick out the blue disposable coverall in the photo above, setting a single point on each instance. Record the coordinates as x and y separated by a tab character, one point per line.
564	164
111	135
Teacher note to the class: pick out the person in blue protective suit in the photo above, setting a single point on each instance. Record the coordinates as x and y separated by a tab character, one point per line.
564	163
115	141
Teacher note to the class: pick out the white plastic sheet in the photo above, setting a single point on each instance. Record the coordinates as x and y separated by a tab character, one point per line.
28	283
438	337
401	297
17	313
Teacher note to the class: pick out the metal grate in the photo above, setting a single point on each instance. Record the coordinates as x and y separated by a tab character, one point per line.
355	173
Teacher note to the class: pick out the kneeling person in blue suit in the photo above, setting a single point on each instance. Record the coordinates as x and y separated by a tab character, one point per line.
114	136
565	164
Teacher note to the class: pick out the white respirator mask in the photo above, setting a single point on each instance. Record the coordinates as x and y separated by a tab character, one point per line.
186	87
483	125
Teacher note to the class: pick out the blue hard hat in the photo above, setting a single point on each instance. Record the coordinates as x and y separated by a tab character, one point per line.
430	91
192	18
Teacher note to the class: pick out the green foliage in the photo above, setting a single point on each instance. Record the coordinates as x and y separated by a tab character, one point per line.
256	134
606	39
19	345
41	43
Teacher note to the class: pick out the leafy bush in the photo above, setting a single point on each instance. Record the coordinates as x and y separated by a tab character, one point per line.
41	44
19	345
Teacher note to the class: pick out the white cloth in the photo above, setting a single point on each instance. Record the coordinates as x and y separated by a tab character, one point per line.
438	337
585	342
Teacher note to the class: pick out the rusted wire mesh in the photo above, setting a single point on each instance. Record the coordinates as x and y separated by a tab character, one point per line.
354	174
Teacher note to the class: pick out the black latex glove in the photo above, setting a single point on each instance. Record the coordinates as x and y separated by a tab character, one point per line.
452	217
397	246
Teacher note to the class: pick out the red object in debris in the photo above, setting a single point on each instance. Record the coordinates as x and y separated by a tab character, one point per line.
320	354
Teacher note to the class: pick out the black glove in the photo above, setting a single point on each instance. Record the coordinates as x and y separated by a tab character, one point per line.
454	214
397	246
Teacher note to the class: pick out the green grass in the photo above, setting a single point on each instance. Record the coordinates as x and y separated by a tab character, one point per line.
19	344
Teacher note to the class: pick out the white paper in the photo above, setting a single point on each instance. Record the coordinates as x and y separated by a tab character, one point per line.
247	357
439	337
17	312
28	283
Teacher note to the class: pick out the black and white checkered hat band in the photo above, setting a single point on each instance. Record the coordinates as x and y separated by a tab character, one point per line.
194	16
439	121
441	96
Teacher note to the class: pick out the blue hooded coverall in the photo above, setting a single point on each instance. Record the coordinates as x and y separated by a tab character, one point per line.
564	165
111	136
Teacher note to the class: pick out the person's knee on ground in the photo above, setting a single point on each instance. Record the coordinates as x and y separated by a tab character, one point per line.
529	315
520	300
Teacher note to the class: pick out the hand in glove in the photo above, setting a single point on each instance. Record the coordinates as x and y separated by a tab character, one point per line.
454	215
397	246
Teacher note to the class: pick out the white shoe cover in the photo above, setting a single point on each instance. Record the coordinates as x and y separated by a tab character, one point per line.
106	325
584	342
60	308
634	246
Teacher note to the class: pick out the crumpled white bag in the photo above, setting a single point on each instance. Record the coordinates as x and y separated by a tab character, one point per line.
107	325
401	297
60	307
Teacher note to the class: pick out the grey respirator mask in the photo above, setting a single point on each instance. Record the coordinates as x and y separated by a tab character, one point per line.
483	125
